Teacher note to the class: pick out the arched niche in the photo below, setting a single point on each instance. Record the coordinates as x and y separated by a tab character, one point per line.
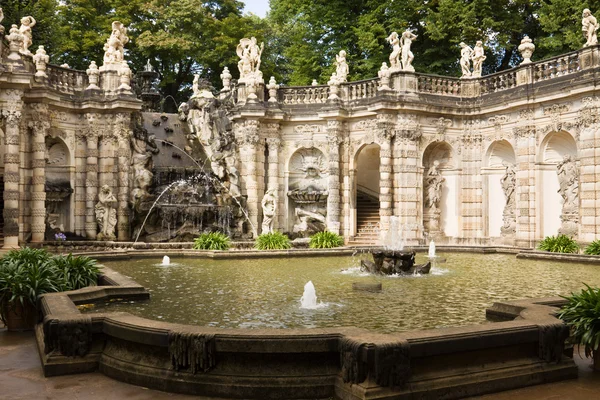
499	156
367	161
58	187
439	157
553	149
307	191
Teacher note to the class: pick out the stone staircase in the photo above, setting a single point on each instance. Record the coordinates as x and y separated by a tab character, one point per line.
367	220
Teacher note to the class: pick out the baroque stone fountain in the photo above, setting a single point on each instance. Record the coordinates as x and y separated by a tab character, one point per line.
393	259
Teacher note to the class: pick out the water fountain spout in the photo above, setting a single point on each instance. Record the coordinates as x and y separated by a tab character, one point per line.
309	297
431	253
166	260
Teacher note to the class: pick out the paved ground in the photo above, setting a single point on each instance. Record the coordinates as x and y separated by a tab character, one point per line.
21	379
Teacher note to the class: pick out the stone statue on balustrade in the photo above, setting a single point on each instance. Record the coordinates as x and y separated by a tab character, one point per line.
478	59
407	55
341	67
432	185
508	182
401	57
249	65
466	55
25	29
269	208
106	214
589	26
114	48
309	194
568	182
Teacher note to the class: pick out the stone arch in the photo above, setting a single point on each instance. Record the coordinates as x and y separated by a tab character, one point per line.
365	173
440	181
554	147
498	183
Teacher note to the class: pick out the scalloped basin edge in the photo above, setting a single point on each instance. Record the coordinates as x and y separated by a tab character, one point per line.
527	348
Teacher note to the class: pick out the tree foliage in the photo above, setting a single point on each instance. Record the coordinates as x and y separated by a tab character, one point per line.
186	37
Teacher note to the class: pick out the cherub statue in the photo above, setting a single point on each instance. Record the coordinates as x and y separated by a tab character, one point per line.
341	67
407	55
394	40
589	26
478	59
249	52
25	29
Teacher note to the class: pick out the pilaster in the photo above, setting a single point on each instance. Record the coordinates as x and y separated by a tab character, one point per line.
123	137
273	160
248	138
91	183
335	133
385	135
11	112
39	127
526	183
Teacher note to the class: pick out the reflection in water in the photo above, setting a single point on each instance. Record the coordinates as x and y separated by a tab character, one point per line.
264	293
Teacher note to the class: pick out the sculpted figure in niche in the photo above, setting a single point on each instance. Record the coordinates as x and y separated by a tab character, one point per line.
407	55
394	40
508	186
466	54
106	214
26	24
568	180
269	207
433	186
341	67
478	59
589	26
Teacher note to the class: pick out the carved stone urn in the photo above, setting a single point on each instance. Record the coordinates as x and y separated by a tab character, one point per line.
526	49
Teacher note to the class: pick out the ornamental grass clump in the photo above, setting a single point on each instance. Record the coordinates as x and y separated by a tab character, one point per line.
212	241
325	240
582	316
559	244
273	241
593	249
28	273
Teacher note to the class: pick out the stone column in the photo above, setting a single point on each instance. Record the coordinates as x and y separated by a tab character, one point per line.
12	116
348	178
385	135
248	138
38	196
526	182
123	134
80	180
334	137
91	182
408	180
274	145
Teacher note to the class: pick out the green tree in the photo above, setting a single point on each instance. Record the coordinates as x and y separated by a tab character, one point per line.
44	12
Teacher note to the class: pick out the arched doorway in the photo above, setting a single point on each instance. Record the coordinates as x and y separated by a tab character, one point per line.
555	147
499	181
59	187
367	162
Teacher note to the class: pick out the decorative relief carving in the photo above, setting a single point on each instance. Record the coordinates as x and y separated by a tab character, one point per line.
441	125
366	125
309	129
568	179
555	111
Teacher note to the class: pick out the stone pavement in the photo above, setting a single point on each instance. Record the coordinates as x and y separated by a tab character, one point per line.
21	379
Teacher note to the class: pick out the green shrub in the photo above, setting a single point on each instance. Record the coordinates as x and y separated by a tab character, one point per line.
273	241
582	315
325	240
559	244
75	272
212	241
27	273
593	248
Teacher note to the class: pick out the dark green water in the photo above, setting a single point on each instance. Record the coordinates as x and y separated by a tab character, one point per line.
266	293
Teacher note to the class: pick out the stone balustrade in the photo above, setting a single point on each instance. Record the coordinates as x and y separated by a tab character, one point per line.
359	90
303	95
441	85
65	79
558	66
499	81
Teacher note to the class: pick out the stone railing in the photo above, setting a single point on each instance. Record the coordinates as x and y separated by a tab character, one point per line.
65	79
304	95
558	66
499	81
437	84
359	90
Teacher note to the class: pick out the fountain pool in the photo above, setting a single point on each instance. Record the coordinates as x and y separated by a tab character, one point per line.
265	293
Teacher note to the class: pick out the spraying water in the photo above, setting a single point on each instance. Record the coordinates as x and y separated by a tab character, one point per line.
166	260
309	297
431	253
